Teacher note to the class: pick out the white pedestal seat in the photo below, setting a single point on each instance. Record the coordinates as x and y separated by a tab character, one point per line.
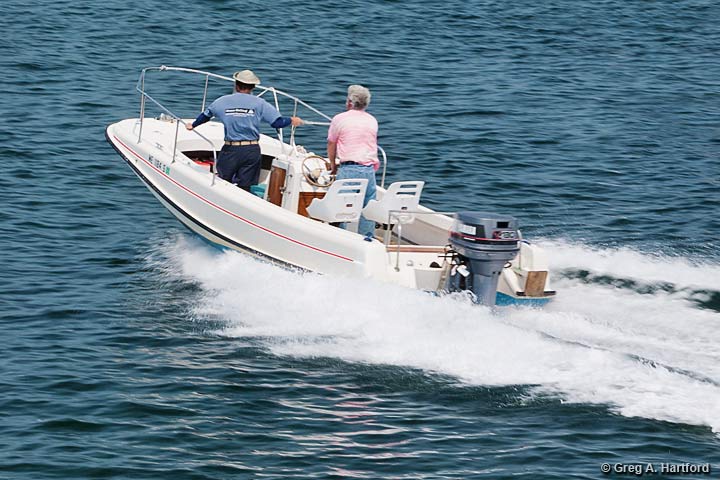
343	201
402	196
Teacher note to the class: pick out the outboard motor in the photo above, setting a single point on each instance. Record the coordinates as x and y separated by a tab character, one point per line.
483	244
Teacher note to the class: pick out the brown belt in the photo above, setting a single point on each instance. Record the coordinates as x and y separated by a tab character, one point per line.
241	143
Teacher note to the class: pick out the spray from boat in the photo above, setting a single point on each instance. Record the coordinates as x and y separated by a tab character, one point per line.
645	353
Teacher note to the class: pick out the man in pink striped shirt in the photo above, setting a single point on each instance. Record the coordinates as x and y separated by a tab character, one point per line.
352	147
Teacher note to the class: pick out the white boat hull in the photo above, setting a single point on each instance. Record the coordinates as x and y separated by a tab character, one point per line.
233	218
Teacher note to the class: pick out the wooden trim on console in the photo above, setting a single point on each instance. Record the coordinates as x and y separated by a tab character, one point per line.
276	185
304	200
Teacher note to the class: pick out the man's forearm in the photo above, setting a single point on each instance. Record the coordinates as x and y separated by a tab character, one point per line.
281	122
332	153
202	118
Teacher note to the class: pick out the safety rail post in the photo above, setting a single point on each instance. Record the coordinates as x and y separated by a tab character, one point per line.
397	256
142	103
213	169
388	236
277	107
207	78
382	183
177	127
292	127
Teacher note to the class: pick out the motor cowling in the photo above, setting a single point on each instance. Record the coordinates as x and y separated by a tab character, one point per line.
483	244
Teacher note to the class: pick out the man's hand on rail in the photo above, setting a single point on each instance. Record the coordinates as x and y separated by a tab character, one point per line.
297	121
188	126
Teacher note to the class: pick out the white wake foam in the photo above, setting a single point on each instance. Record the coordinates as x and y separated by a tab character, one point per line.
649	355
634	265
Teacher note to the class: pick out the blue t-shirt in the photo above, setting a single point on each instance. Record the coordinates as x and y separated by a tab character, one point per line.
241	114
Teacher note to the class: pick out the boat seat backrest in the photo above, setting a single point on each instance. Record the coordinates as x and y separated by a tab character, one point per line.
403	196
343	201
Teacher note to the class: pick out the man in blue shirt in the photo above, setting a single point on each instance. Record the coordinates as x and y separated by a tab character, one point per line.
241	114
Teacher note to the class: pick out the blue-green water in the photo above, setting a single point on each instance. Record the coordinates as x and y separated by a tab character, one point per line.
132	350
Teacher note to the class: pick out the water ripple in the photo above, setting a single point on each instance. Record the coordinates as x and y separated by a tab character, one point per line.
592	122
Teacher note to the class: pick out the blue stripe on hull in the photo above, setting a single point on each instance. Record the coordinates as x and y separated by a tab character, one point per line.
505	300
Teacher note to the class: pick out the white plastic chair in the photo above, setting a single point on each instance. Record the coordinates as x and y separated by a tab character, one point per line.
343	201
399	196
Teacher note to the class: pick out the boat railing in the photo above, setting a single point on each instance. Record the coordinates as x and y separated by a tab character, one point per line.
382	182
178	120
403	216
140	87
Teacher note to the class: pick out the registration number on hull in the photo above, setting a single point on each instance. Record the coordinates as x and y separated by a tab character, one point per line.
159	165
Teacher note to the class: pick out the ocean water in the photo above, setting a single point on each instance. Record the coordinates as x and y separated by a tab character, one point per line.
132	350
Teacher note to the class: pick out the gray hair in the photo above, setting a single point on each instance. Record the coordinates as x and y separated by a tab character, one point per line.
358	96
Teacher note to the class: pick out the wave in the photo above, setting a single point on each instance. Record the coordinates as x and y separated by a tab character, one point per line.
651	353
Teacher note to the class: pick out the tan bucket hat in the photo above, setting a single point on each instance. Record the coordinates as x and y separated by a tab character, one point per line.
247	77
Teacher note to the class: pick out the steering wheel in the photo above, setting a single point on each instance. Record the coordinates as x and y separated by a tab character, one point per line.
316	170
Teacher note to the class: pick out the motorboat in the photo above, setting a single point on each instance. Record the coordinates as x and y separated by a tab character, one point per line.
291	216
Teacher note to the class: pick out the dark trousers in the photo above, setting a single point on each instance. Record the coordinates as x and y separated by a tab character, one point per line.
239	165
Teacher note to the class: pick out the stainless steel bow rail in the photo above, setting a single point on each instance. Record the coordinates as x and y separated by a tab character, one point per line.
140	87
